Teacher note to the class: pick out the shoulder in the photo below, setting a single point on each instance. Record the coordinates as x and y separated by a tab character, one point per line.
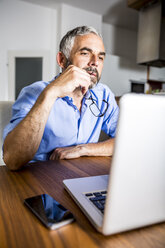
28	96
34	89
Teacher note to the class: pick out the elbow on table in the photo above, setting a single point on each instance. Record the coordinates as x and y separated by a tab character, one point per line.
12	163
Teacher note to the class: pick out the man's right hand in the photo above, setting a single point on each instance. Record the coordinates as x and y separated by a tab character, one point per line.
71	79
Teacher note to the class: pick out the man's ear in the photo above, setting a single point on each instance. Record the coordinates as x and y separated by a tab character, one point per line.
61	59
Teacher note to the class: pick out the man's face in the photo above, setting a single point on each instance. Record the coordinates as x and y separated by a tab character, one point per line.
88	53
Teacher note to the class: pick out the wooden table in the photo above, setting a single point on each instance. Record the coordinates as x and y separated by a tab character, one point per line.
20	228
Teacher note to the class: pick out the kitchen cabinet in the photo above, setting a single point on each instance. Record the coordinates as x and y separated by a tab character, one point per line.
138	4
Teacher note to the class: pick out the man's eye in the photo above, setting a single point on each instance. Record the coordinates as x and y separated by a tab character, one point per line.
101	58
84	53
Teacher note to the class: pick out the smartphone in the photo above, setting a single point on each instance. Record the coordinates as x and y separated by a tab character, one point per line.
51	213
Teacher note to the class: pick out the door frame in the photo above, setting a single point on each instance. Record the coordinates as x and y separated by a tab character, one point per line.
13	54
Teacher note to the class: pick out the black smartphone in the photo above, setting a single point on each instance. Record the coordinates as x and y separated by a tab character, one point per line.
51	213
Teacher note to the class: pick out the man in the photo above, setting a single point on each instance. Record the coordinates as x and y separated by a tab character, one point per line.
62	119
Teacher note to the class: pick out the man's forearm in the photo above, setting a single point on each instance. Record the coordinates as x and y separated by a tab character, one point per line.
104	148
23	141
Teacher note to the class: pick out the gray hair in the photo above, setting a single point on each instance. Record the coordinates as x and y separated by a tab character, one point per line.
67	41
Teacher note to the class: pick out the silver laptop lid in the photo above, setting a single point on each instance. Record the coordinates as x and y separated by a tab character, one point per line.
136	191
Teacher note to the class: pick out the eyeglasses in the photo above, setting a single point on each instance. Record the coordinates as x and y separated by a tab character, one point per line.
96	111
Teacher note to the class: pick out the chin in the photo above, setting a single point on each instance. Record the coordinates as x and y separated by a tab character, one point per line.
92	85
94	82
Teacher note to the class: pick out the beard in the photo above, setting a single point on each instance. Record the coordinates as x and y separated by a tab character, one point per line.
93	72
94	75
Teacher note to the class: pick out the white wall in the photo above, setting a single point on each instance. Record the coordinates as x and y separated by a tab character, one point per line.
120	63
120	41
72	17
25	26
118	71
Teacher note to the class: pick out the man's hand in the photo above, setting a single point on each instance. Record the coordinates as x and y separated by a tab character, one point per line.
71	79
104	148
67	152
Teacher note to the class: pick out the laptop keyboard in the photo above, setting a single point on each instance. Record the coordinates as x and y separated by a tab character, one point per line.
98	199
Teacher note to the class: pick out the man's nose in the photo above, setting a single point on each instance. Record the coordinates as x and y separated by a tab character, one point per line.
94	60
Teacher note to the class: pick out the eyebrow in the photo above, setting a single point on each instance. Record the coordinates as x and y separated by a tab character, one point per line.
90	50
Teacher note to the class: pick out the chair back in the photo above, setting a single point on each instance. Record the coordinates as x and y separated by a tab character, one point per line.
5	116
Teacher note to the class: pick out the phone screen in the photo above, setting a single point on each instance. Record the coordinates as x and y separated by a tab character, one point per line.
52	214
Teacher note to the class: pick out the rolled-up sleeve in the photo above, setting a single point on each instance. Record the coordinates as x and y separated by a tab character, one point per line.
22	106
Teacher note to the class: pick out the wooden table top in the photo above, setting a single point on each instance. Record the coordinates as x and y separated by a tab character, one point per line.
20	228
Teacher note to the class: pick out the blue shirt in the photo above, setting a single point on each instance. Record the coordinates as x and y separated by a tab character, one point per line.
66	126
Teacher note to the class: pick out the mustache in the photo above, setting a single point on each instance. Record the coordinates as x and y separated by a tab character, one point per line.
87	69
91	69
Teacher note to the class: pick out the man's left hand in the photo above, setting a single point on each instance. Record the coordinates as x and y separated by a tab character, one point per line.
67	152
104	148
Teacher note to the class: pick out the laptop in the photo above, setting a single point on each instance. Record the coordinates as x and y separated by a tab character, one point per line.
133	194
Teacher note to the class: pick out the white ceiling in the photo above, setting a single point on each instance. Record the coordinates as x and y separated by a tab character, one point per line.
114	12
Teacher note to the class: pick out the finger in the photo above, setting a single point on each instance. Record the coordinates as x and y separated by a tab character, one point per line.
54	155
57	155
72	78
51	157
81	72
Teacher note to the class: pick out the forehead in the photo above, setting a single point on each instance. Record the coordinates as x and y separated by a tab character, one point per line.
92	41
